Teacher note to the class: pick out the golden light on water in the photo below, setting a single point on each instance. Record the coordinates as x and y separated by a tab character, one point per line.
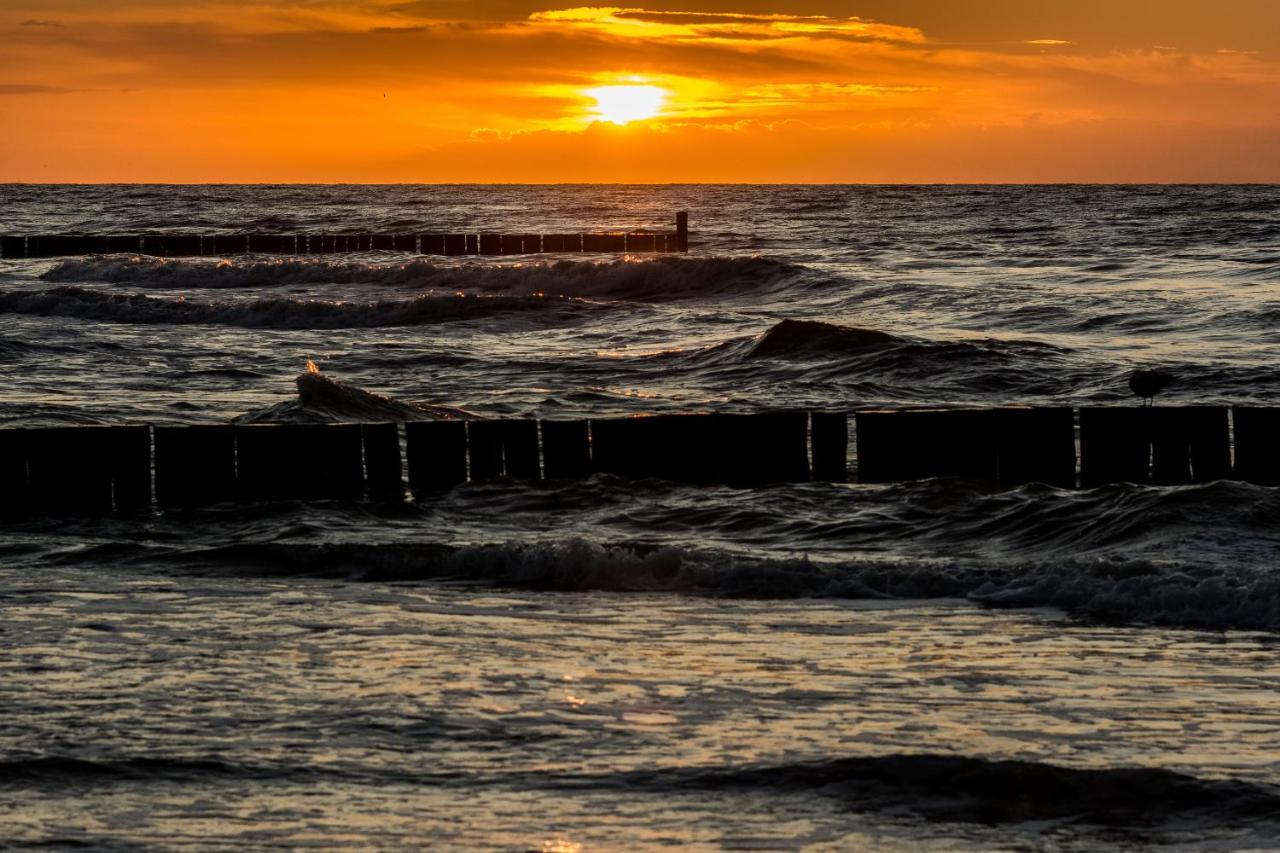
625	104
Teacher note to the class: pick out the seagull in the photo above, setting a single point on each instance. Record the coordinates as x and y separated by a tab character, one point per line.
1148	383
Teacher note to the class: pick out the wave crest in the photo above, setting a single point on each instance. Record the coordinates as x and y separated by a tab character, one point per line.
276	313
653	279
1106	589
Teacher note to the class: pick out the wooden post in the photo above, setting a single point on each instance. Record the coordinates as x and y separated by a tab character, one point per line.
195	464
382	467
682	231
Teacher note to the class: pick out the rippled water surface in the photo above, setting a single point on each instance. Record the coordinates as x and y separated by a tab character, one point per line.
622	664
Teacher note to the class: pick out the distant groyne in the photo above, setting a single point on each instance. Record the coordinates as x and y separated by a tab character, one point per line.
441	244
132	468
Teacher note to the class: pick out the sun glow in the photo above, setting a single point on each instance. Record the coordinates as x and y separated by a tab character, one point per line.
625	104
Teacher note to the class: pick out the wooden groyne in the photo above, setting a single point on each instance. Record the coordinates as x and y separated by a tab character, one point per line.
130	468
446	245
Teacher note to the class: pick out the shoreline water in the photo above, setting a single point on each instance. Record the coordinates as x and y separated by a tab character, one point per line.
519	667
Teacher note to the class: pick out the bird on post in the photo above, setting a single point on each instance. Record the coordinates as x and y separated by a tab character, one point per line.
1148	383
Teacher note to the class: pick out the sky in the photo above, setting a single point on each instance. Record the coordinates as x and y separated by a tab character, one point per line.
810	91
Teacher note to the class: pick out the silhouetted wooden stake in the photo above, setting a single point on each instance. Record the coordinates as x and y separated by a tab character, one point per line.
566	450
13	471
829	437
195	465
484	449
761	449
437	456
382	466
300	462
520	450
1257	436
69	469
192	245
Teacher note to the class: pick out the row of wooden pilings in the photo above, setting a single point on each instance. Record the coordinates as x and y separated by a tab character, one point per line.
219	245
96	469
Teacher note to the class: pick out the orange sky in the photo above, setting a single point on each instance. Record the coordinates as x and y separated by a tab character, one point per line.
757	91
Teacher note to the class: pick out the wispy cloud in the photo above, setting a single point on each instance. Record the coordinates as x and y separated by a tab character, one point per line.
30	89
646	23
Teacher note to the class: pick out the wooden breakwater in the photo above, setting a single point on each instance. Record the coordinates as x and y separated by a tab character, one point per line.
446	245
100	469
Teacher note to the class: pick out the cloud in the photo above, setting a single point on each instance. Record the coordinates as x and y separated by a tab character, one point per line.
29	89
37	22
1048	42
649	24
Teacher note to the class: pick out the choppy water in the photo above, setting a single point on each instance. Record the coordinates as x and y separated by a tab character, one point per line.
619	664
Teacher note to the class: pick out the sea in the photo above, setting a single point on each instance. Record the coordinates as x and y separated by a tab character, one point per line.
629	665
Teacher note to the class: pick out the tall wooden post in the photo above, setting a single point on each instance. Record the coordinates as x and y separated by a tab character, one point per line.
682	230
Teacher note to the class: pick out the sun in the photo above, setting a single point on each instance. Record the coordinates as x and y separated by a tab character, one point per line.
625	104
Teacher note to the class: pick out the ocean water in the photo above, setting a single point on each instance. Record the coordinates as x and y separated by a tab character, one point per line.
626	665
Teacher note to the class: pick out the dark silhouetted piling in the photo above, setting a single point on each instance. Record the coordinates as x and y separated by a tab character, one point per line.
561	243
275	244
641	243
520	450
829	437
382	465
566	450
679	448
761	449
903	446
1168	446
1257	436
300	462
437	453
484	450
77	469
13	471
604	243
195	465
67	470
1036	446
13	247
1190	444
1115	446
495	243
507	448
130	467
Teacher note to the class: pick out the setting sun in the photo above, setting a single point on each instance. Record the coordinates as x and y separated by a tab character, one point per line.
625	104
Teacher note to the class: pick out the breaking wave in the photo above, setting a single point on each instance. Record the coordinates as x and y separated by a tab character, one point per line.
88	304
1213	596
654	279
951	788
976	790
324	400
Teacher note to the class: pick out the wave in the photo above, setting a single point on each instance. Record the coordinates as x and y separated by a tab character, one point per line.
975	790
1213	595
324	400
816	339
652	279
88	304
61	770
950	788
811	337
